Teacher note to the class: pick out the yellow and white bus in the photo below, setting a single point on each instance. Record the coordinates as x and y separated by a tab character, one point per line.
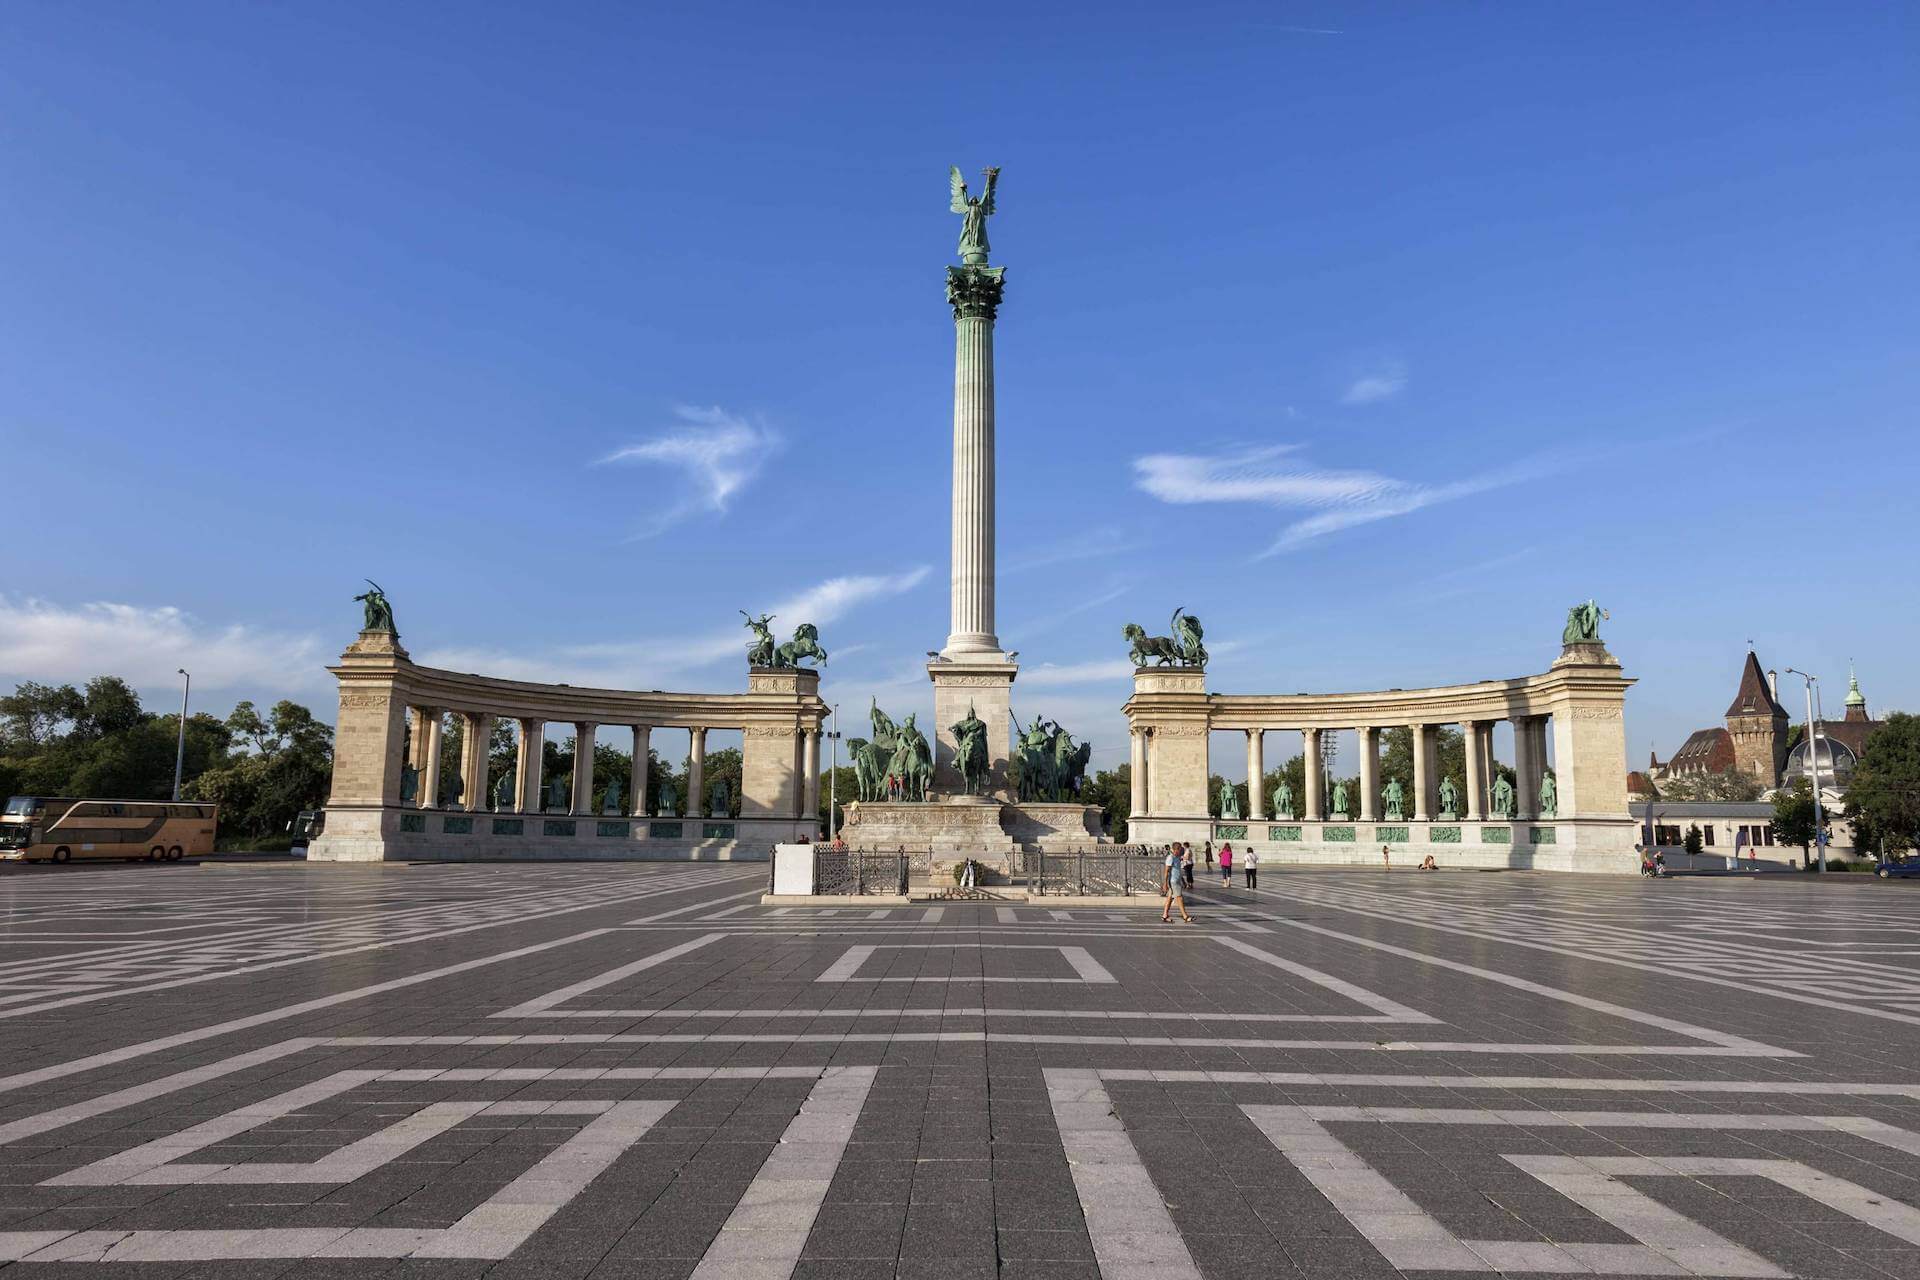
59	829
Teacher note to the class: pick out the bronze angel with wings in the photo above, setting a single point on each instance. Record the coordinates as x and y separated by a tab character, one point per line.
973	230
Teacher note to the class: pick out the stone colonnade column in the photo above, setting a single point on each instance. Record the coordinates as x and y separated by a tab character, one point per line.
1540	732
473	761
583	734
1137	770
696	803
417	755
1526	769
810	797
974	293
430	771
530	764
1313	808
1256	776
1369	742
637	779
1423	783
1476	753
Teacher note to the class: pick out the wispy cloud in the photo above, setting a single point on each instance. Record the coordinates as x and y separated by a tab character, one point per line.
1384	381
717	452
651	662
1049	675
48	642
1276	476
1107	540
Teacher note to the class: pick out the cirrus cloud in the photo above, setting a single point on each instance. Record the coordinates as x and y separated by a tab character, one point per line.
718	454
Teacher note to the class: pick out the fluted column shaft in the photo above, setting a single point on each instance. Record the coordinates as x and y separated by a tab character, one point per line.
1314	808
473	755
430	771
637	783
583	734
973	486
810	798
1137	772
1526	768
1476	754
1369	743
1256	776
531	764
696	804
1422	772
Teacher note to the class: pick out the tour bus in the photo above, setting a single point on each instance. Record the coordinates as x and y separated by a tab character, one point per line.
55	829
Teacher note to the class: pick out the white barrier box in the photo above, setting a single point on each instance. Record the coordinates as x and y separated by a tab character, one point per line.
793	869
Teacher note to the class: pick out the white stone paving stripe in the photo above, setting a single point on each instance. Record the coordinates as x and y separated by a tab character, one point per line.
1692	1031
1389	1010
1133	1235
768	1228
539	1005
60	1070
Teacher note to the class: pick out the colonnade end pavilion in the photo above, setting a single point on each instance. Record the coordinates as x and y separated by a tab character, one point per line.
1570	816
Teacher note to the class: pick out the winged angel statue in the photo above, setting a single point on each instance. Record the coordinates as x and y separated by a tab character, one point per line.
973	230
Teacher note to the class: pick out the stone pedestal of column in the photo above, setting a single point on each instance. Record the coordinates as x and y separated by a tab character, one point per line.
983	682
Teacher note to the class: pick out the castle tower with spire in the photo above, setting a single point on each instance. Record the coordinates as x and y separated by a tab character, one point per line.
1757	725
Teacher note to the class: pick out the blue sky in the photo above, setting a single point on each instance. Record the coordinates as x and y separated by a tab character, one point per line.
1376	335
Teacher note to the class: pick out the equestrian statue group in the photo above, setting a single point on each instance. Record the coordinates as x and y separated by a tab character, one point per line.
896	763
765	651
1053	768
1181	649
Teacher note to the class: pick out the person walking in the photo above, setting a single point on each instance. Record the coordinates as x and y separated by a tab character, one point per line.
1386	856
1209	855
1186	865
1251	861
1226	864
1172	885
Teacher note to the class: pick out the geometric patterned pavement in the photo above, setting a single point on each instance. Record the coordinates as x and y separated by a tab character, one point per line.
637	1071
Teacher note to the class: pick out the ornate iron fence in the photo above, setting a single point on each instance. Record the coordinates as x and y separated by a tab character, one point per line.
1120	873
853	872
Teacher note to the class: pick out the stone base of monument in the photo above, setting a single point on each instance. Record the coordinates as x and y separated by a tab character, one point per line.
953	828
1603	845
959	826
374	833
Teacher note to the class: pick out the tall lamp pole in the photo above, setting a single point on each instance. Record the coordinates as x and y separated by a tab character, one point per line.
180	748
833	774
1813	769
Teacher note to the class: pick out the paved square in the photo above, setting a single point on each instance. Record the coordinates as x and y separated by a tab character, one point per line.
581	1070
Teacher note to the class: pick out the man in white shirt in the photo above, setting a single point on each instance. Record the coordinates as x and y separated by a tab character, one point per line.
1173	885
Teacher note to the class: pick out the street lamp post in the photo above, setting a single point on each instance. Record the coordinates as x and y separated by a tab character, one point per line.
833	774
1813	768
180	747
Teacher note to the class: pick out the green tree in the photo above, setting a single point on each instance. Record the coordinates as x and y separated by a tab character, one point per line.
837	786
1693	841
1723	785
34	716
1793	818
287	767
1884	789
1112	790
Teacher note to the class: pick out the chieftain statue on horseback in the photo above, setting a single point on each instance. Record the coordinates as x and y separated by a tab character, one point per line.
896	763
1052	767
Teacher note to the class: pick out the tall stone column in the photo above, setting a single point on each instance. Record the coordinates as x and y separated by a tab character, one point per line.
1256	776
810	797
530	764
1368	740
430	772
1137	772
696	805
974	293
971	673
637	778
1526	791
473	761
1476	753
1313	807
583	734
417	755
1423	783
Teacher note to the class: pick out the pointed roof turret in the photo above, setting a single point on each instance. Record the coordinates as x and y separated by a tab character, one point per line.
1754	698
1856	700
